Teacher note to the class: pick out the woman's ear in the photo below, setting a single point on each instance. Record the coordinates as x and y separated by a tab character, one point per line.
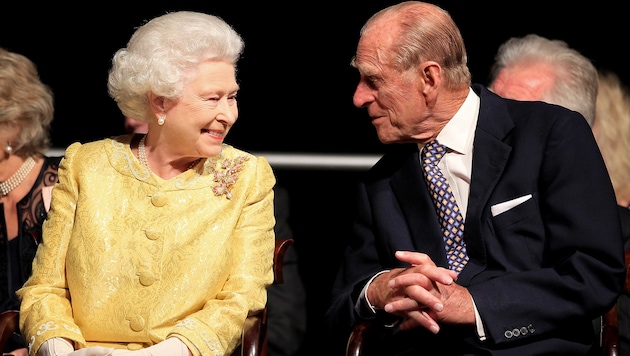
157	104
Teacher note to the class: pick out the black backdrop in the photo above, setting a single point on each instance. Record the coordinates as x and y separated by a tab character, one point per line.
296	85
296	80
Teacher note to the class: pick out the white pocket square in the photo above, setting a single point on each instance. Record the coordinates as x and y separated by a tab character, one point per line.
507	205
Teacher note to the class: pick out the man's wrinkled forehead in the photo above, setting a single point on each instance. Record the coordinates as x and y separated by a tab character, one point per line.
372	50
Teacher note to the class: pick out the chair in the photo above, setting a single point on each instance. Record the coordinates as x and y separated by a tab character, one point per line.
365	332
253	339
8	325
610	329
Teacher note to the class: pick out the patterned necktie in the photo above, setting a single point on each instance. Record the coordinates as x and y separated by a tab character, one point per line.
446	207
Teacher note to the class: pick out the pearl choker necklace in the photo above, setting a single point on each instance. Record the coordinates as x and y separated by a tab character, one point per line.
142	155
17	177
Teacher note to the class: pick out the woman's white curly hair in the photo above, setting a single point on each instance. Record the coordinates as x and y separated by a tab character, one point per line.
163	54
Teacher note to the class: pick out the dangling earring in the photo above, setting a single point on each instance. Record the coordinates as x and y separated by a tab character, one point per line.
161	120
8	149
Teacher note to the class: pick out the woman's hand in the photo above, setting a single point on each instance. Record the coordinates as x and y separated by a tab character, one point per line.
61	347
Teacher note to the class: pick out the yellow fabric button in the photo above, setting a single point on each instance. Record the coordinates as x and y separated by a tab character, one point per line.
152	235
136	324
146	279
158	200
133	346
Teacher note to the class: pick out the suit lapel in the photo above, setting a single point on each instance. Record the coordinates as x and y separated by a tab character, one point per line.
490	156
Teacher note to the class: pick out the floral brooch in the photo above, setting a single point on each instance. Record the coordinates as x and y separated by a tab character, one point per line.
226	177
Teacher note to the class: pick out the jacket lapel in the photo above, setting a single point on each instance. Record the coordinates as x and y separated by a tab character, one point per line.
490	158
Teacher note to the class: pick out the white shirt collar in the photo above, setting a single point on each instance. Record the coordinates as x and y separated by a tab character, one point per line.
459	132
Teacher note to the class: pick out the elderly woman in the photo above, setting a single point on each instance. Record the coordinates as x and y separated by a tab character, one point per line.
157	244
27	175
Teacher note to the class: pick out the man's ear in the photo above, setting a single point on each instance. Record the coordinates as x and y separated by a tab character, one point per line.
431	73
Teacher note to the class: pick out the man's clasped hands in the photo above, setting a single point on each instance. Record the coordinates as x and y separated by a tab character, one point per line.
422	295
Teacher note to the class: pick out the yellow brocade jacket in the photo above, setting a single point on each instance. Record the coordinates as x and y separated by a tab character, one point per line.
129	259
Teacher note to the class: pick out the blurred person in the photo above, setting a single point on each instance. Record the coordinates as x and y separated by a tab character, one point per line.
533	67
538	243
157	244
27	175
612	133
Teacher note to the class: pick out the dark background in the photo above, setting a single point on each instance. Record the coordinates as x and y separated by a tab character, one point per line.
296	80
296	87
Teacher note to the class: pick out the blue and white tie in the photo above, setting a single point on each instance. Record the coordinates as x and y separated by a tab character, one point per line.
446	207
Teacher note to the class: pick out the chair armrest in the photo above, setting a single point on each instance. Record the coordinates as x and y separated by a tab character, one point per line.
610	333
251	339
9	323
357	338
610	328
365	335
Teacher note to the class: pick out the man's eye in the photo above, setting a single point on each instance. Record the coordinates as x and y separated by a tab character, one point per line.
372	82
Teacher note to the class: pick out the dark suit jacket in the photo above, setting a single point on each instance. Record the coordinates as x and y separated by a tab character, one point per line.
539	272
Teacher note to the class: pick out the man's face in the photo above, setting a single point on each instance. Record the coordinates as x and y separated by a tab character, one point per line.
394	100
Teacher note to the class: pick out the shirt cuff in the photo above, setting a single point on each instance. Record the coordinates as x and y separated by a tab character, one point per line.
366	310
363	307
481	332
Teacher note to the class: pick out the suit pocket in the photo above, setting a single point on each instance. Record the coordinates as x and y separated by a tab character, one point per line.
519	209
500	208
518	238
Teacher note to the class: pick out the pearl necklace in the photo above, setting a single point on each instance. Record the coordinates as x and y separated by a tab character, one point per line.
18	177
142	155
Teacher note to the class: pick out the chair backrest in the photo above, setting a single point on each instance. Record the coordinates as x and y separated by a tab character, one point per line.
610	322
365	334
253	339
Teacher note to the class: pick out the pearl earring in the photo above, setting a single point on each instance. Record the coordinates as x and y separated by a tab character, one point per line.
161	120
8	149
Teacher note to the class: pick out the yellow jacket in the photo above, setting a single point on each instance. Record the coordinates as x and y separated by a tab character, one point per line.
129	259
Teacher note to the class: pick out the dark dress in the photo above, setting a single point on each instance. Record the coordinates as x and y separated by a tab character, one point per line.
16	256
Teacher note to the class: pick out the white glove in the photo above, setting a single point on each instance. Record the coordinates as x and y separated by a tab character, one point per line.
169	347
92	351
61	347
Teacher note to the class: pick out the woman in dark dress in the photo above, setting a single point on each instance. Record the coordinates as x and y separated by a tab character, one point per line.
27	175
